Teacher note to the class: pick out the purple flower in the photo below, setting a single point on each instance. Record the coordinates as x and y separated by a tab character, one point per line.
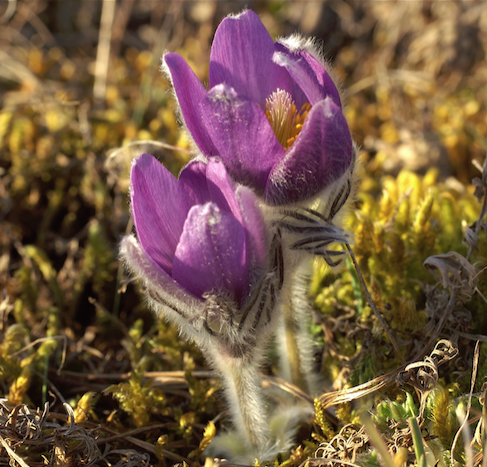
201	233
203	257
272	113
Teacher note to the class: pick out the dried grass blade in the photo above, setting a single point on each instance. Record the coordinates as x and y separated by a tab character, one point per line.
13	455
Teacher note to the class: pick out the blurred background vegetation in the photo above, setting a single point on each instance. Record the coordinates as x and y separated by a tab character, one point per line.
81	95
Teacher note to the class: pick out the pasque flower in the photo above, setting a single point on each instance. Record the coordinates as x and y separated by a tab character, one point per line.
198	230
270	127
272	112
273	115
202	252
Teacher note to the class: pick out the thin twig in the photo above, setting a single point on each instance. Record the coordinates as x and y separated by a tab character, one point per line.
103	50
346	395
319	462
44	339
120	25
172	15
137	431
42	30
9	12
374	308
148	142
439	326
12	453
483	209
472	337
111	317
176	376
288	387
475	366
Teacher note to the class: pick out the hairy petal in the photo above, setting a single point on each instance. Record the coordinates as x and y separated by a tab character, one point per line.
254	224
222	189
243	136
167	297
203	183
211	255
159	210
193	182
241	57
189	92
321	154
153	277
308	73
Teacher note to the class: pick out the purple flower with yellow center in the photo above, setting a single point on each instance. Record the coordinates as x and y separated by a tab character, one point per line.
272	112
199	231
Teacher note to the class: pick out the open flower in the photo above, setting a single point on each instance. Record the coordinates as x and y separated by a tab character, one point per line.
272	112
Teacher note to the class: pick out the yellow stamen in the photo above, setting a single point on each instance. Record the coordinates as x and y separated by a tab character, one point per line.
286	121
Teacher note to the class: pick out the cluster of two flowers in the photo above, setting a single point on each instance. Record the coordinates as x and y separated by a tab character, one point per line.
216	248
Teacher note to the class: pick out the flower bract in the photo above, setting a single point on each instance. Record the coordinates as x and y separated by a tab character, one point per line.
272	112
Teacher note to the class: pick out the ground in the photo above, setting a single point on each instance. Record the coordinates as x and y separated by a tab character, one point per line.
82	95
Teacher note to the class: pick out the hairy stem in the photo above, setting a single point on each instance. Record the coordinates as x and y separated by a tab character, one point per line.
295	344
242	384
290	358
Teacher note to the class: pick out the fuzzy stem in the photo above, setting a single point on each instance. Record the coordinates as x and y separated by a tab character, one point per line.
289	354
295	344
244	394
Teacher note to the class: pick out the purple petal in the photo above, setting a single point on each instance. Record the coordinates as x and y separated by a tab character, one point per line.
221	188
211	255
321	154
254	224
308	73
209	182
242	135
158	208
193	182
213	180
189	92
156	279
241	57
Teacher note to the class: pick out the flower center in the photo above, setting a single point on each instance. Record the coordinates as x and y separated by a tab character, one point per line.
286	121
